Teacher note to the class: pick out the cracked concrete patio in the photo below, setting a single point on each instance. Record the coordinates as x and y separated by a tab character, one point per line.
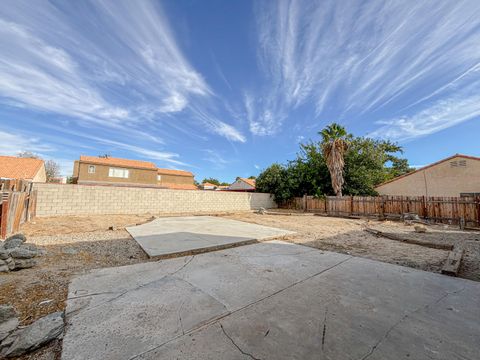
272	300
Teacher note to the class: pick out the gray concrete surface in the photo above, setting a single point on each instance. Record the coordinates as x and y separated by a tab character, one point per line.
271	300
178	235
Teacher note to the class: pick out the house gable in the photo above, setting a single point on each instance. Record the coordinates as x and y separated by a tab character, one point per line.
448	177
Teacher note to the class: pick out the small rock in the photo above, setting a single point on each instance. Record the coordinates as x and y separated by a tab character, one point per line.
12	243
23	253
8	320
17	236
4	254
24	263
10	263
31	247
261	211
420	229
35	335
4	266
7	312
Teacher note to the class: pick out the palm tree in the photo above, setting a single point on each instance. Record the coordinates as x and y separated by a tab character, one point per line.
334	146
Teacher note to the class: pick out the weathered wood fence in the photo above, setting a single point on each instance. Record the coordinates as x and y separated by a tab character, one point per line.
17	205
439	209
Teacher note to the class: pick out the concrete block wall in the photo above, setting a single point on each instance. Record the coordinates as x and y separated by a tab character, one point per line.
61	199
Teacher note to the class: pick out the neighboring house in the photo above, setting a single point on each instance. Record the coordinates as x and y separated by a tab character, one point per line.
12	167
222	187
458	175
110	170
243	184
58	180
99	170
208	186
176	179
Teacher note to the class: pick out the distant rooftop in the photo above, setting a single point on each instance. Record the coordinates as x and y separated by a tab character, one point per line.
118	162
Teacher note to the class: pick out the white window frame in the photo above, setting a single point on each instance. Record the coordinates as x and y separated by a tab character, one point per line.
159	177
118	173
91	169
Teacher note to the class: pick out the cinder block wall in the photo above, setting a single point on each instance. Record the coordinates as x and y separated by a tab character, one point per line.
61	199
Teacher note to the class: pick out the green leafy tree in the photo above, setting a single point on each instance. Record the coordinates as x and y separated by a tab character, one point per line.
367	163
334	146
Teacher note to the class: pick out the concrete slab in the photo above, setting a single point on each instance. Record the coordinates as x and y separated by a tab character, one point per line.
180	235
271	300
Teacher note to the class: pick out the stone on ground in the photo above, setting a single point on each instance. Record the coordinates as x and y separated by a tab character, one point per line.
420	229
22	253
14	241
34	336
24	263
8	320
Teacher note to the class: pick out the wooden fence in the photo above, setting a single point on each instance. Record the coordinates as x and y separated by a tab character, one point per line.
439	209
17	205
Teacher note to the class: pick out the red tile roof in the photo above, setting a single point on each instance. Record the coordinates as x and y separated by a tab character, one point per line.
250	182
208	184
174	172
111	161
179	186
429	166
13	167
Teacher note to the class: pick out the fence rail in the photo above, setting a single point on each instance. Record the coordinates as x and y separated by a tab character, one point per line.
452	210
17	205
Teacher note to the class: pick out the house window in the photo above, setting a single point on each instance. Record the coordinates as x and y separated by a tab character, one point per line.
91	169
159	177
118	173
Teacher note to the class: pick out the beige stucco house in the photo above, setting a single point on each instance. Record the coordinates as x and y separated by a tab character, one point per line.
110	170
176	179
458	175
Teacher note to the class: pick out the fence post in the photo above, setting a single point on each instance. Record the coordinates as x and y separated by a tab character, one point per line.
424	207
478	210
4	219
305	202
351	205
382	208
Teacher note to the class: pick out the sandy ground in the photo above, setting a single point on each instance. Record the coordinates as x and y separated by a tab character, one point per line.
79	243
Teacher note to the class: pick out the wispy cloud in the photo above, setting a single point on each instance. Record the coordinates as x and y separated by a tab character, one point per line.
353	57
12	144
438	116
111	63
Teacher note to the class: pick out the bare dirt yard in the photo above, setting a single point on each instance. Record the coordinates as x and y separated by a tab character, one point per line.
76	244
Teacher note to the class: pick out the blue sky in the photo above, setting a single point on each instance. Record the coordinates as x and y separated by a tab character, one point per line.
225	88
